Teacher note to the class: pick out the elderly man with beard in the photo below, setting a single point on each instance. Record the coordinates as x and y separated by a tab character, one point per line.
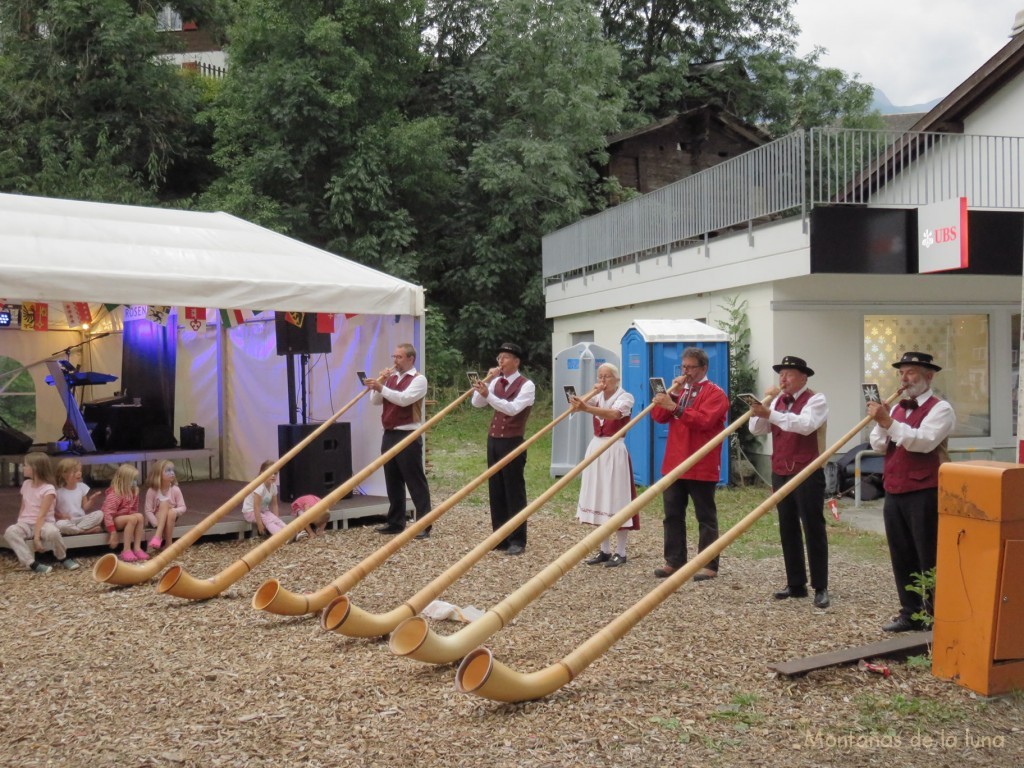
914	438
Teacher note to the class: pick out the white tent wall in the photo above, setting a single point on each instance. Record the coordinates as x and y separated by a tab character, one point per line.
255	389
256	401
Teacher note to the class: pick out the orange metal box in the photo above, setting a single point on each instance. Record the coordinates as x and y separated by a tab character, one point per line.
979	591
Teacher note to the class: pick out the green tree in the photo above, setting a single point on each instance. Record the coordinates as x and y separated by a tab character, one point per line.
89	109
533	104
737	54
313	134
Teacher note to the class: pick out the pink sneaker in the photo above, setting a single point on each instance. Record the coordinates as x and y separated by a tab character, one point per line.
128	556
140	555
155	543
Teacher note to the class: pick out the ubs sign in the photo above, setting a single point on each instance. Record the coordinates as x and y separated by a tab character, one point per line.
942	236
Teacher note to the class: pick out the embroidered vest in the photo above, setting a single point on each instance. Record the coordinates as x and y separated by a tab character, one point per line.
509	426
905	470
791	452
395	416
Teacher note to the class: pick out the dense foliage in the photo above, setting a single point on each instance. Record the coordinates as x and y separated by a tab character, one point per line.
438	140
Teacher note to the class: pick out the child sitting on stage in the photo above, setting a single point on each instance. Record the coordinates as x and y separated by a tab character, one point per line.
164	503
260	506
36	530
121	513
74	501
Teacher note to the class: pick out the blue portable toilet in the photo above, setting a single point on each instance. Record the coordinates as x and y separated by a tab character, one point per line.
655	348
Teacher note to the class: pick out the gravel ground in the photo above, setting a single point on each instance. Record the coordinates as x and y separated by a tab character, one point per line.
98	676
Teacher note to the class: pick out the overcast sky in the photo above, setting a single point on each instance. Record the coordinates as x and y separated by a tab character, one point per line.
912	50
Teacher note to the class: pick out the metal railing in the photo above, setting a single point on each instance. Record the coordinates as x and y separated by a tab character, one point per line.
790	176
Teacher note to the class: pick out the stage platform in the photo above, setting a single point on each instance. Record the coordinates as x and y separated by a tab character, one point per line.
203	497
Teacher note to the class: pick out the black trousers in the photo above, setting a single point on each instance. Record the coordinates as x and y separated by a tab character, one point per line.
804	507
404	471
675	500
507	488
912	528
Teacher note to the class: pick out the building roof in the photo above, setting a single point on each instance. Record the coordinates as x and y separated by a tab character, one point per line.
948	115
750	132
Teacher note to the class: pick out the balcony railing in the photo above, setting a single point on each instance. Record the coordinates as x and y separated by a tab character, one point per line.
788	177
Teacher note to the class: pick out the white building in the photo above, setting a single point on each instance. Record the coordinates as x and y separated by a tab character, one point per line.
818	233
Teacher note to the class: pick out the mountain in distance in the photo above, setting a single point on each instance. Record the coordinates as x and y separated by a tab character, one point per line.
886	107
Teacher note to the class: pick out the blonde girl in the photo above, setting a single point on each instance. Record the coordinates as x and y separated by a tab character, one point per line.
164	503
260	506
36	530
121	513
74	501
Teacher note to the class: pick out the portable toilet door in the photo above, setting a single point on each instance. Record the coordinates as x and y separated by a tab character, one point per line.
574	367
654	348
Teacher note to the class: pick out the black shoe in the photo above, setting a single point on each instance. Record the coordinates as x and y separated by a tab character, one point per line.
423	534
788	592
389	529
600	557
515	549
615	561
821	598
901	624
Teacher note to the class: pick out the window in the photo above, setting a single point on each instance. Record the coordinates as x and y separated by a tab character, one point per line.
17	396
960	344
168	20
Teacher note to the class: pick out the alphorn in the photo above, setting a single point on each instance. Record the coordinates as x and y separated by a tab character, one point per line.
350	620
481	674
414	638
112	570
179	583
271	596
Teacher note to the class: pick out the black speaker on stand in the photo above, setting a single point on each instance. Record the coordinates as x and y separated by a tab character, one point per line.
321	466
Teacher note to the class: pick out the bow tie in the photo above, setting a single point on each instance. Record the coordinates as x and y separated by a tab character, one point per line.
908	404
788	399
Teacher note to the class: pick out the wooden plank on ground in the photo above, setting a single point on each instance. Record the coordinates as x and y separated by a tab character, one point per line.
901	645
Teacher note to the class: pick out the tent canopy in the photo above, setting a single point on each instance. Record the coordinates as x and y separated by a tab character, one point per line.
68	250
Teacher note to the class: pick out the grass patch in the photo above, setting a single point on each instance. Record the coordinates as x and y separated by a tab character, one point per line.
457	453
880	714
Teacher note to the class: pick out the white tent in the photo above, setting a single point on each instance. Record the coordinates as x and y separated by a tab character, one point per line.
229	381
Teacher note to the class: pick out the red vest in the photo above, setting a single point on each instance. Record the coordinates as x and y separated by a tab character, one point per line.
791	452
610	426
509	426
904	470
395	416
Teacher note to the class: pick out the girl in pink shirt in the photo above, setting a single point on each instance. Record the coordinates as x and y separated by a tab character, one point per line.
164	503
121	513
36	529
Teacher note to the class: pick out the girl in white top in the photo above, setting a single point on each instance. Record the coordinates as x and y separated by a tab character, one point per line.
164	503
264	499
35	530
74	501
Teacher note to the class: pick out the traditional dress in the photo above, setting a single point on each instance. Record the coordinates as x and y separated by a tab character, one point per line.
607	484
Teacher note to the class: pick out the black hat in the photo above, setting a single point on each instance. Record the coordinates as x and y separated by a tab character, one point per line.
789	361
916	358
512	349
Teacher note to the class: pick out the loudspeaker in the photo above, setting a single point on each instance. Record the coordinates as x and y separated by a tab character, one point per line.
321	466
292	340
12	441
